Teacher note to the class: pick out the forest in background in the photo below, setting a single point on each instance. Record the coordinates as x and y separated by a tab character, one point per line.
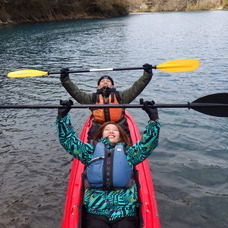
31	11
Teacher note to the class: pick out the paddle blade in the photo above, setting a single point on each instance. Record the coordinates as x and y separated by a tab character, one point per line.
220	102
26	73
181	65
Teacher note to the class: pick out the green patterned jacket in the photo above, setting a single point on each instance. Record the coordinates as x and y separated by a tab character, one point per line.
118	203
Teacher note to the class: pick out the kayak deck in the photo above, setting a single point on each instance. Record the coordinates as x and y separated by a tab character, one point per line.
148	205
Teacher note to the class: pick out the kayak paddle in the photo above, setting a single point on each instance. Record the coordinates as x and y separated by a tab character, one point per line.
213	105
181	65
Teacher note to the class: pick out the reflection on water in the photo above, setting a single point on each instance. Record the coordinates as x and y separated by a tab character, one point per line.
189	166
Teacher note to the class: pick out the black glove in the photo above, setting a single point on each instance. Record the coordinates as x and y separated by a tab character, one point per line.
148	68
106	91
65	109
64	73
150	110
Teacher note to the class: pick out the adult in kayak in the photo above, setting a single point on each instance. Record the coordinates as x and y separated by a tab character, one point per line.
107	94
110	196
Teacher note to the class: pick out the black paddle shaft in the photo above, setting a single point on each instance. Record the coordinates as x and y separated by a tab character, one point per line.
214	105
220	110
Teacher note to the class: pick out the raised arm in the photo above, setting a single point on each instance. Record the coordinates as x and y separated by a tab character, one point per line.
143	148
130	94
80	96
68	139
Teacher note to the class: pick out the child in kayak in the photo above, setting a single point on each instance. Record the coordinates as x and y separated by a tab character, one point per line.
107	94
110	197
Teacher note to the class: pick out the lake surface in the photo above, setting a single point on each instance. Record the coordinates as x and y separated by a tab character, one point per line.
190	165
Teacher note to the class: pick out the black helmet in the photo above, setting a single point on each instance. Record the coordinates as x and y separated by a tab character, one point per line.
105	77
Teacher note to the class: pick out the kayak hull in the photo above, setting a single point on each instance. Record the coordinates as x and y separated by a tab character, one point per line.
148	205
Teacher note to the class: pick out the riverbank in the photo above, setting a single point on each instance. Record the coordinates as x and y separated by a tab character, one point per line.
51	16
27	11
193	9
48	19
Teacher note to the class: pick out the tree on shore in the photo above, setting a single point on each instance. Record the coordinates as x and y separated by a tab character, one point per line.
48	10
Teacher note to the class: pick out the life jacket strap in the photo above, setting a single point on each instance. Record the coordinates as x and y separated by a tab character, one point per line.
87	185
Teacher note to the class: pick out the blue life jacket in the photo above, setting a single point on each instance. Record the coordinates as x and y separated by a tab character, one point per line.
109	168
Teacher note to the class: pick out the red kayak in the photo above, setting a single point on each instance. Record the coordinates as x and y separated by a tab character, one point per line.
73	204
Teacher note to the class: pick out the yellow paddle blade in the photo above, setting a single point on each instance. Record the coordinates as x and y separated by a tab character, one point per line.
26	73
181	65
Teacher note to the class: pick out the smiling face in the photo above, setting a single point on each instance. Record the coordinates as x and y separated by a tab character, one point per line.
115	135
111	131
105	82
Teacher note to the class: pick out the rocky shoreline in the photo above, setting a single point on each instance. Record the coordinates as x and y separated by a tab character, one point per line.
58	18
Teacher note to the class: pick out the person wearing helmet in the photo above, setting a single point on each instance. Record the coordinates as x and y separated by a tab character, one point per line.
107	94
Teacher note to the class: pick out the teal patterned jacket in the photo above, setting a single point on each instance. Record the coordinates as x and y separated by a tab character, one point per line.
118	203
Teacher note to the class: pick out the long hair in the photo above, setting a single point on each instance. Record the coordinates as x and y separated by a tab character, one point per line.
123	135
